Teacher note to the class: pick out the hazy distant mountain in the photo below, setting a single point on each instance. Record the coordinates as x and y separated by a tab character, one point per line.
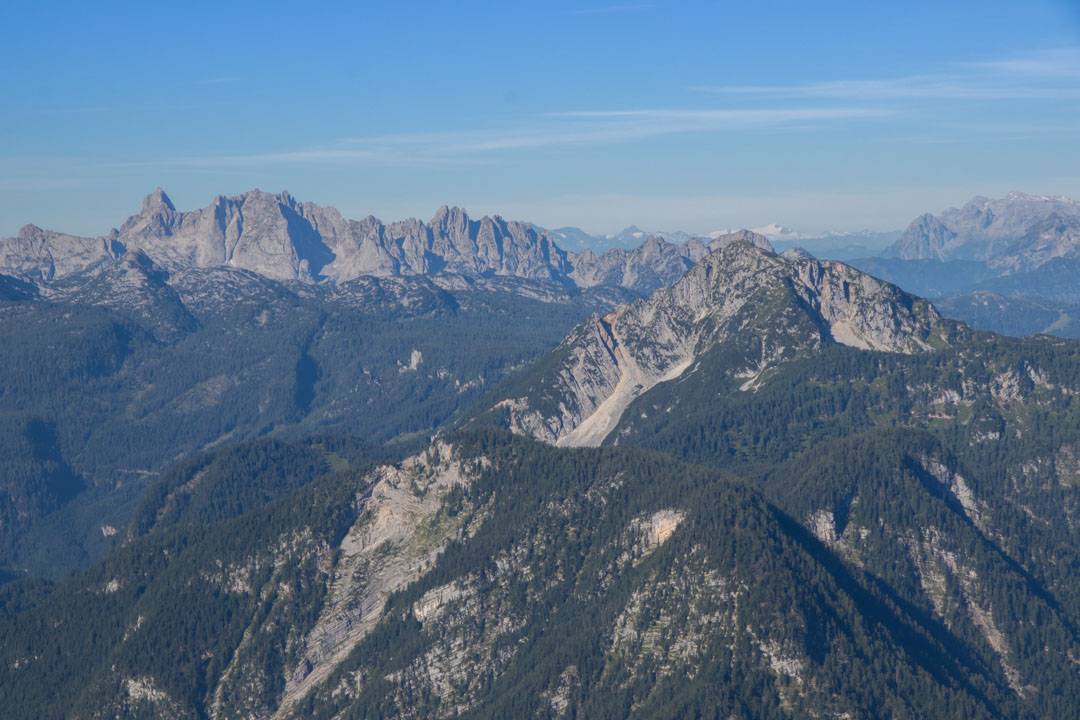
654	264
1016	315
832	245
573	239
1016	232
842	245
927	278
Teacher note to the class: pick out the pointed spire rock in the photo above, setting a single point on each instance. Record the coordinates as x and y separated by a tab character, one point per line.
29	231
156	201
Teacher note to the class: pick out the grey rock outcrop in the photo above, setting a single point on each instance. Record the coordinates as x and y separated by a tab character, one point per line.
44	255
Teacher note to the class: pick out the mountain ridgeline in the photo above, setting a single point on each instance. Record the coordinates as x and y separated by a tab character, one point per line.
1017	232
775	487
284	239
756	308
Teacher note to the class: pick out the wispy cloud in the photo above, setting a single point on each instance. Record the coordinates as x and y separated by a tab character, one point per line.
1055	63
1044	75
554	130
728	118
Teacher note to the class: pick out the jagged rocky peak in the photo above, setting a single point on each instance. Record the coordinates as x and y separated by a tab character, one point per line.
157	201
926	238
451	220
30	232
275	235
765	308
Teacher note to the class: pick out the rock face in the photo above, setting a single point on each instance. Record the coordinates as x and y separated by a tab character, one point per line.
38	255
1016	232
926	238
254	231
782	306
397	537
1055	237
281	238
284	239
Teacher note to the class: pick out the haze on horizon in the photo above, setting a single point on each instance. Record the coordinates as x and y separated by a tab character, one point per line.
668	115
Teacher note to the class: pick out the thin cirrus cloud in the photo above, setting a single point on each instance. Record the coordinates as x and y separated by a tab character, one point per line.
1055	63
1043	75
559	129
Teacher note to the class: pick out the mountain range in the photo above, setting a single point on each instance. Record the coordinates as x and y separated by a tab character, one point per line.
777	488
495	479
283	239
1017	232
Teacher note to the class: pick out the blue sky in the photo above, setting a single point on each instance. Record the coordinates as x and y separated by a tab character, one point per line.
693	115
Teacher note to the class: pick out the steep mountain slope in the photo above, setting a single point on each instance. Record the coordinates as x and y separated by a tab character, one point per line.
487	576
765	308
968	513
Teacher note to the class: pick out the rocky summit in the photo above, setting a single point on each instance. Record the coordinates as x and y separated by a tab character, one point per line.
780	306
